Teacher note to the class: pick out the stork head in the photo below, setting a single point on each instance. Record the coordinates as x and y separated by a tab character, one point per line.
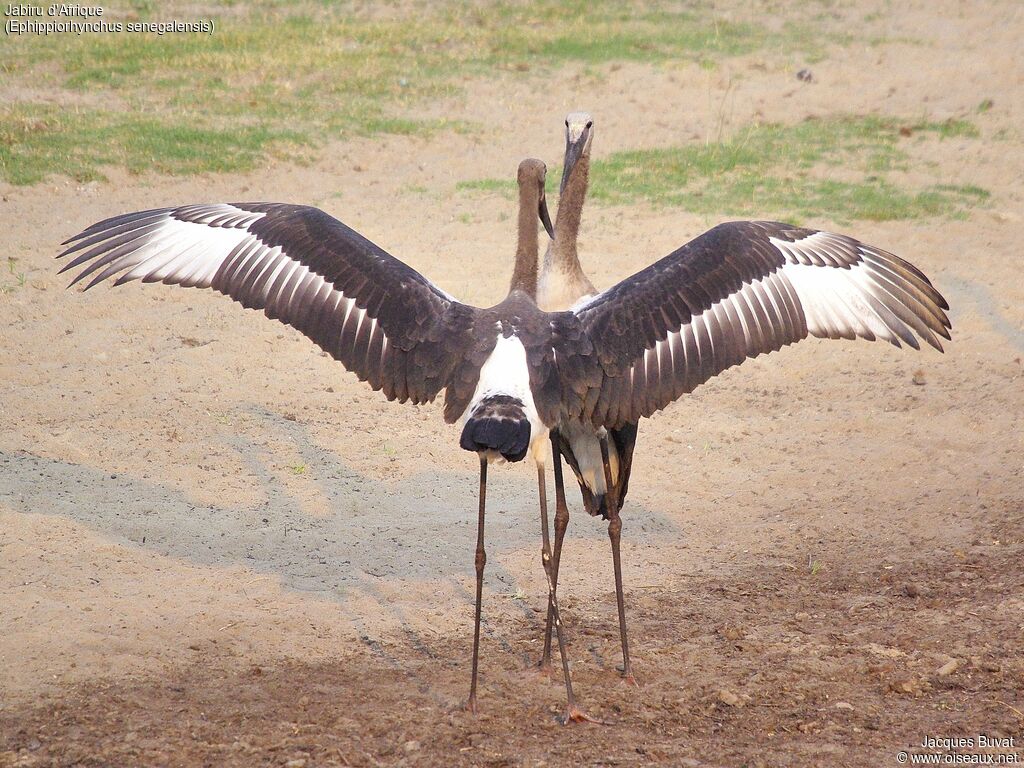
579	132
531	176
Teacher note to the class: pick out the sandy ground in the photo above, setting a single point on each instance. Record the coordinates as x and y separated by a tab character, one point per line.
219	548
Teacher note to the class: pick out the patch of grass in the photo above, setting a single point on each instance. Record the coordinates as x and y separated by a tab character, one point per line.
678	37
780	170
501	185
966	190
294	74
36	141
946	129
15	278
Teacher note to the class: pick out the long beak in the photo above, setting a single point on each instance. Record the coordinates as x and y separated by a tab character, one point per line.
542	211
573	151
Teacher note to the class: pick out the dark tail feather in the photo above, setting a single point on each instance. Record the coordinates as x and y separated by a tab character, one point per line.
625	442
498	424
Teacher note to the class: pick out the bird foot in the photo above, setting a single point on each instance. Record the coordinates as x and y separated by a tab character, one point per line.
627	675
471	705
545	668
574	714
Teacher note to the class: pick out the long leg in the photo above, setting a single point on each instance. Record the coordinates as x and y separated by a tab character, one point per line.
614	530
572	711
481	560
561	523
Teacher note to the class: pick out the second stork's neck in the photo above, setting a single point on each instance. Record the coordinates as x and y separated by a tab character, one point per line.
524	276
562	262
570	209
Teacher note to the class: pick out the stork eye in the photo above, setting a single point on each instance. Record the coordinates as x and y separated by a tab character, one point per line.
590	124
566	123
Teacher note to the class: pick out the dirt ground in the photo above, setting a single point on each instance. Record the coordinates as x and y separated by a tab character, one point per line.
219	548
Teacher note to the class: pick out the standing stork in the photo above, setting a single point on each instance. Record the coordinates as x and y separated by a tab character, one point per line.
513	372
602	467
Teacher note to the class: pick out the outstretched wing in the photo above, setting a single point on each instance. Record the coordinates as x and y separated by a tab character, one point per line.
738	290
382	319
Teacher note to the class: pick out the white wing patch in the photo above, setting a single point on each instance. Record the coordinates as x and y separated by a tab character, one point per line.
195	250
163	248
835	303
214	247
848	289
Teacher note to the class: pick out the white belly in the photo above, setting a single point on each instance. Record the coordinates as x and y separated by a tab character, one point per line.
586	447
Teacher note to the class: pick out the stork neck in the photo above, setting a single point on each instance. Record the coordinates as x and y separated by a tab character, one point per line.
524	276
567	222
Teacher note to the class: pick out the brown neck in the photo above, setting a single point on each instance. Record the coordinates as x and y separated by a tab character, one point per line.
562	259
570	206
524	276
570	209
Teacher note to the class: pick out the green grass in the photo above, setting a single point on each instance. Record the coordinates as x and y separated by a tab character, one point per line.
787	171
15	278
285	77
37	141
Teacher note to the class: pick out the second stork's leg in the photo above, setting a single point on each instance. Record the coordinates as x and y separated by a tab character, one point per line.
561	523
614	530
481	560
572	711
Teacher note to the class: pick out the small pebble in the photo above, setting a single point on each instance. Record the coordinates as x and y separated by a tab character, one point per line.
728	698
907	686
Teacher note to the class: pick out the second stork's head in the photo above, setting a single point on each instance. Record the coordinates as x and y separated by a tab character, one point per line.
579	132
